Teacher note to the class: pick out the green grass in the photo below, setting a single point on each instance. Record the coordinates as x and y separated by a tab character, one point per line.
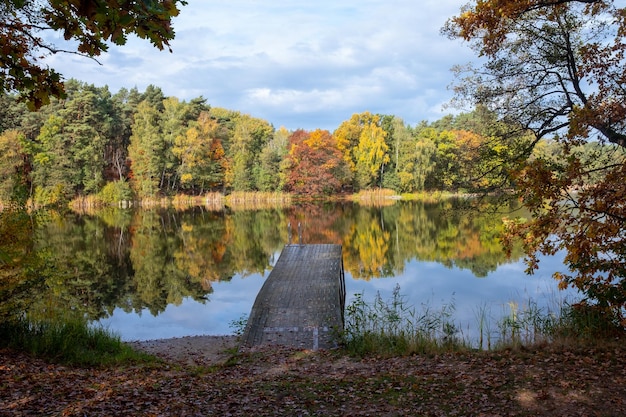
380	328
570	324
392	327
71	342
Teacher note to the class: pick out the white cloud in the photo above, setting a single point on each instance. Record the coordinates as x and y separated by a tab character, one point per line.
295	63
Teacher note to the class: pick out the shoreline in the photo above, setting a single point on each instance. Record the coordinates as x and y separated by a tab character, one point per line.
190	350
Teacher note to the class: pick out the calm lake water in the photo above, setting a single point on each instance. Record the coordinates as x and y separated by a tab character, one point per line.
149	274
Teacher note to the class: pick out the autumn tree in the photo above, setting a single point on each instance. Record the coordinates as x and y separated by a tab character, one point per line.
371	156
469	159
314	163
91	26
347	136
495	146
557	69
362	142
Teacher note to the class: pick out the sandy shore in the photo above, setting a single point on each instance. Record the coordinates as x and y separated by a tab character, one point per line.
191	350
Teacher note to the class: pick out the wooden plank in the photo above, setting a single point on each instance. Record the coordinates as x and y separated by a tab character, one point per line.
301	303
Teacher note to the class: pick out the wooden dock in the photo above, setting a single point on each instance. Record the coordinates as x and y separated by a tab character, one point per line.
302	301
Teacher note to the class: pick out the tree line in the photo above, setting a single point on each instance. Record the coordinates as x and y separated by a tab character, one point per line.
134	144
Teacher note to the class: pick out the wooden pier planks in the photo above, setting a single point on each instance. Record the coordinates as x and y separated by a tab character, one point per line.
301	303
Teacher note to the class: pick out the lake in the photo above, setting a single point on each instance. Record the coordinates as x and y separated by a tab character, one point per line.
160	273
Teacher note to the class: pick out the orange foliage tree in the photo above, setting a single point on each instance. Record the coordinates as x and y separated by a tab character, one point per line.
314	164
556	69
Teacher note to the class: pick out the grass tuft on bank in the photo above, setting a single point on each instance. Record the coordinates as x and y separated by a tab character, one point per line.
71	342
394	328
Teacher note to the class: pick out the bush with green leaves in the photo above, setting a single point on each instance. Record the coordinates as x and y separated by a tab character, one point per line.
114	192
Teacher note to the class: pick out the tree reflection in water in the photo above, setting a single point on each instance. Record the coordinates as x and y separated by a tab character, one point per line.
127	263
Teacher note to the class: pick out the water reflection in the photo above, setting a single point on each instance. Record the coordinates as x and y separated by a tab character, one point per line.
232	301
162	273
429	286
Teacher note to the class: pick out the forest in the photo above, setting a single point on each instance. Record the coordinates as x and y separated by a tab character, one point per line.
134	145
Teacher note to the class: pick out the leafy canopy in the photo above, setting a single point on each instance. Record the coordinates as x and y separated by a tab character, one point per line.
551	66
92	24
556	68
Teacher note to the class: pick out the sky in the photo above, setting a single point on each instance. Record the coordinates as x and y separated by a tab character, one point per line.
295	63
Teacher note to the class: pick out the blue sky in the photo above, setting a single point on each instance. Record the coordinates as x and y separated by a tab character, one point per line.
296	63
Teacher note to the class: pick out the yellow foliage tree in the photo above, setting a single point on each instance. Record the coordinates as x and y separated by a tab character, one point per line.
361	140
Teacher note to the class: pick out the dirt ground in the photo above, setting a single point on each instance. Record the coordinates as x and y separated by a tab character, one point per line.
275	381
191	350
